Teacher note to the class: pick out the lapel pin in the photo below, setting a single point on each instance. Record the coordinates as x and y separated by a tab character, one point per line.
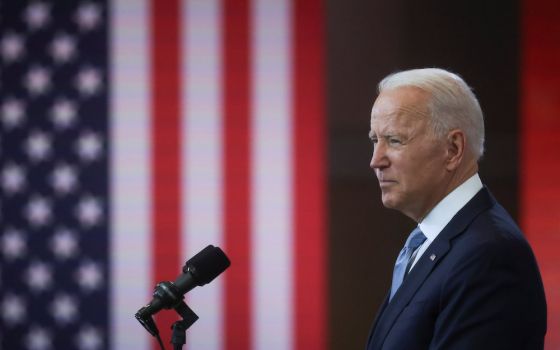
433	257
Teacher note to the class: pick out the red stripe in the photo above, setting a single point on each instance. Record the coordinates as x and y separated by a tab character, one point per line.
237	321
309	175
166	149
539	145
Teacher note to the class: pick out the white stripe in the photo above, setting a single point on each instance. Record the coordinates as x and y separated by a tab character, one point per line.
271	175
130	185
202	157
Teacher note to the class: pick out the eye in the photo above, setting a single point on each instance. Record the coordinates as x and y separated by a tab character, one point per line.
374	142
394	141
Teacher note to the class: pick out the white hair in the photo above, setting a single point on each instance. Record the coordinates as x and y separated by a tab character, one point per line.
452	104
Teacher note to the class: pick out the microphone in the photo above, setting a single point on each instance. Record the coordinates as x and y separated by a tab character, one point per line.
198	271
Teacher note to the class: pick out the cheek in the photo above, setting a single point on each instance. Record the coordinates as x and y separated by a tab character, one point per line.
409	171
429	176
416	174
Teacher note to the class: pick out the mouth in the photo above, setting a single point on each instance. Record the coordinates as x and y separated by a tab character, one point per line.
383	183
383	179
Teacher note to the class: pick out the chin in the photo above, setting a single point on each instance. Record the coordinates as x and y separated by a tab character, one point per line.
388	202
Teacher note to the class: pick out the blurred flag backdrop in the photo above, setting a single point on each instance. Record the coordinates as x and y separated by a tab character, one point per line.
135	133
540	167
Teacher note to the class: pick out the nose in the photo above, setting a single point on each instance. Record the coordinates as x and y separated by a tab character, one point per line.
379	158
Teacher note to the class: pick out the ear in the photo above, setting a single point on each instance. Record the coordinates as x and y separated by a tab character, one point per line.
456	147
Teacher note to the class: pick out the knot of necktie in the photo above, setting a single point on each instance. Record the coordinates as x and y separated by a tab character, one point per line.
415	239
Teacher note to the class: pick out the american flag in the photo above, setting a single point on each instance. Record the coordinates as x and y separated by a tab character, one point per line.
55	220
135	133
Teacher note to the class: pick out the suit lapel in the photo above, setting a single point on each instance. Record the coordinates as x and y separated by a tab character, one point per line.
431	257
377	317
407	290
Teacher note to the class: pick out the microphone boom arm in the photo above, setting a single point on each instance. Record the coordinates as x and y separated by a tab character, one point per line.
198	271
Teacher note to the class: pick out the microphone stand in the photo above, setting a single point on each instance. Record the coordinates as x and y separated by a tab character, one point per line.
179	328
198	271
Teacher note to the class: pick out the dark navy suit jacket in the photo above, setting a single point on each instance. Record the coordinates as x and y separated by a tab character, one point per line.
477	286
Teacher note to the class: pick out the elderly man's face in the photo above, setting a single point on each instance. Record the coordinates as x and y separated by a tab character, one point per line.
408	159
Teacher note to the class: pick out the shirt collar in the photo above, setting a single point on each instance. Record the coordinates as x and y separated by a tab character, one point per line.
446	209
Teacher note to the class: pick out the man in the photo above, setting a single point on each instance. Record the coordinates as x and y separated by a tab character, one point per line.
466	278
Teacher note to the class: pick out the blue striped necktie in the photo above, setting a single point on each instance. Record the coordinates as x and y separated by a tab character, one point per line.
414	241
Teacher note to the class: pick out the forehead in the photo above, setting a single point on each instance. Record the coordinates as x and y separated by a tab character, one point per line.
400	107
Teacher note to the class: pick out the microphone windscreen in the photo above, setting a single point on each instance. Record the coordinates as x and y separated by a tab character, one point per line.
207	264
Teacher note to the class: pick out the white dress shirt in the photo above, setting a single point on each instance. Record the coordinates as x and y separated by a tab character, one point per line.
445	210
